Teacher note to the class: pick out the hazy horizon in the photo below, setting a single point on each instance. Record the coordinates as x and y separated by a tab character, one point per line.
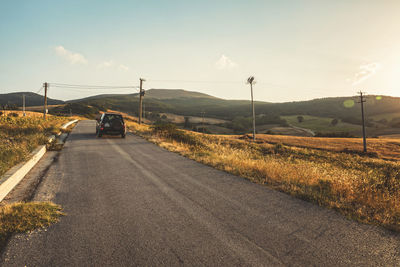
296	50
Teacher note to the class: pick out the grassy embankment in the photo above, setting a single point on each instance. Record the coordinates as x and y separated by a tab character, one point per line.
19	136
360	187
25	217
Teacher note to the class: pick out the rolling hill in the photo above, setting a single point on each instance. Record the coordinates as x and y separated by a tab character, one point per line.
193	103
382	112
31	99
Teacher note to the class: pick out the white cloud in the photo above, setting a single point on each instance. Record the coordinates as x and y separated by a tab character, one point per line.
366	71
71	57
123	67
225	63
105	64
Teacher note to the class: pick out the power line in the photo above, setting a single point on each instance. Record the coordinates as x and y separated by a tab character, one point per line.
41	88
93	87
193	81
97	90
263	84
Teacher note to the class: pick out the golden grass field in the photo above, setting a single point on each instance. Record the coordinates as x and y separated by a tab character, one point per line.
19	136
24	217
364	188
385	148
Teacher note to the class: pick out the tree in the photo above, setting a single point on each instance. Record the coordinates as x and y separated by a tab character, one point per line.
334	122
300	119
187	122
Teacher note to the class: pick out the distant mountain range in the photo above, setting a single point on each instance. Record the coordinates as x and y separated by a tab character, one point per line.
189	103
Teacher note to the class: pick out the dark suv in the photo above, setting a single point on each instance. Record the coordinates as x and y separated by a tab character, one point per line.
110	123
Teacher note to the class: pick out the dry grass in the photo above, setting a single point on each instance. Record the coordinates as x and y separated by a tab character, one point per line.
25	217
385	148
366	189
20	113
19	136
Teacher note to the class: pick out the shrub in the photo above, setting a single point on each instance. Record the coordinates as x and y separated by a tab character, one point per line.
13	114
300	119
334	122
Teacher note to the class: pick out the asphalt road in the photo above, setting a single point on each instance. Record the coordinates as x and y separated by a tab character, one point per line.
129	202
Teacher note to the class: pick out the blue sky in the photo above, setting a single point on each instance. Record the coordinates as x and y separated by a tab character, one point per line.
297	50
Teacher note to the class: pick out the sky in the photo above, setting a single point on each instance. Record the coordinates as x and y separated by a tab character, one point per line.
295	49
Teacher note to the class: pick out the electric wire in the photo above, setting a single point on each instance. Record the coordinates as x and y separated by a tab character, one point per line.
98	87
41	88
261	84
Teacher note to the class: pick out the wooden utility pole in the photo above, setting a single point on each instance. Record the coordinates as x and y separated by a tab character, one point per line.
362	101
202	120
23	104
141	94
45	100
251	81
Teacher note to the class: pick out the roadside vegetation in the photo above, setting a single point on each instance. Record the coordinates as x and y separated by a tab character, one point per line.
383	148
19	136
359	186
25	217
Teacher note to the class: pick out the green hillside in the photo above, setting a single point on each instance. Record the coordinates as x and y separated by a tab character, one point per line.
193	103
31	99
382	112
318	113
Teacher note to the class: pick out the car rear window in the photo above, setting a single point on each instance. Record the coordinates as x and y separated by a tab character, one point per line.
112	117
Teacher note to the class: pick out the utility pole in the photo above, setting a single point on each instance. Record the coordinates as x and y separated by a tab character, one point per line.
362	101
23	104
141	94
45	100
251	81
202	121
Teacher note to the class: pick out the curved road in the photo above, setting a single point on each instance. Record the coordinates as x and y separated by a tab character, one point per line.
129	202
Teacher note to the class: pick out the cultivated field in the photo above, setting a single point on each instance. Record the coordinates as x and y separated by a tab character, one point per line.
322	124
359	186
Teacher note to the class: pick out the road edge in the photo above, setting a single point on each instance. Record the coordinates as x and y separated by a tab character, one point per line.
13	176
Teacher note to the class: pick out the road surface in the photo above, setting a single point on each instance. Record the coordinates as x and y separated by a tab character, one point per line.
129	202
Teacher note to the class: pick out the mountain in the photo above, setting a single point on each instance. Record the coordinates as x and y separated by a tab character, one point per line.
31	99
382	112
193	104
175	93
188	103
